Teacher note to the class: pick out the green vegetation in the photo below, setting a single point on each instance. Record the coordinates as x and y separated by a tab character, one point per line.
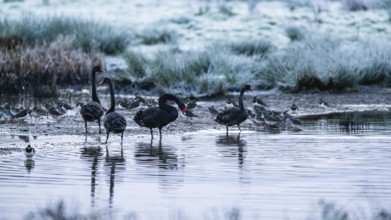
88	35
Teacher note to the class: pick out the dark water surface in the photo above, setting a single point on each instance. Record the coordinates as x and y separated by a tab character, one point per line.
206	173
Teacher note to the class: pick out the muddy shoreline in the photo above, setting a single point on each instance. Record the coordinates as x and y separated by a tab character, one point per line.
72	124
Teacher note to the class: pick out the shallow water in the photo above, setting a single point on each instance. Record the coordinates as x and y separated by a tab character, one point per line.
206	173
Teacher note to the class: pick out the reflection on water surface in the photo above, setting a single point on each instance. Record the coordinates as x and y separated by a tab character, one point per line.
266	175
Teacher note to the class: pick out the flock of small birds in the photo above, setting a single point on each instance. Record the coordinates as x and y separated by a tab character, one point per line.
260	116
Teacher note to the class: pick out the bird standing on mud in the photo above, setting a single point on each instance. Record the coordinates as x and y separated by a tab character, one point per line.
160	116
323	103
234	115
93	110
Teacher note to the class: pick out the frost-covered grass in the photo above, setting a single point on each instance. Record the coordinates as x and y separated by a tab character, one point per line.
329	63
208	72
156	36
48	65
316	62
87	34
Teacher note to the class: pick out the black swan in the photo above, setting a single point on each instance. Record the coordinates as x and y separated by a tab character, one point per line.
160	116
92	110
234	115
113	122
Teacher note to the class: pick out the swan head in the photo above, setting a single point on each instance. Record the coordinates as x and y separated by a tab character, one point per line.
247	88
97	69
105	80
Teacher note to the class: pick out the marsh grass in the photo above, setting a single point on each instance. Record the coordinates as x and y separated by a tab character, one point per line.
88	35
61	210
207	72
324	210
316	63
39	70
251	47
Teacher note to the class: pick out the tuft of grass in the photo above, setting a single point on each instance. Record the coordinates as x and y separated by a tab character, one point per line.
355	5
47	65
156	36
136	64
88	35
227	11
63	211
295	33
252	47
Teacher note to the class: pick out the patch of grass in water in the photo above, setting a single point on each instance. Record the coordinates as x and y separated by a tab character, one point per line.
88	35
351	123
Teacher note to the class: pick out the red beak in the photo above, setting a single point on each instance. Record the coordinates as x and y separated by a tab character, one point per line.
183	110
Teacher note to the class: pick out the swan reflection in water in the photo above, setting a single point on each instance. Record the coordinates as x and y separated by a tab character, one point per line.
93	153
162	157
116	163
232	146
170	166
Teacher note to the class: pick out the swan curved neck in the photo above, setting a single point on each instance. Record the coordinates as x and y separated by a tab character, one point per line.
164	98
241	106
94	95
112	98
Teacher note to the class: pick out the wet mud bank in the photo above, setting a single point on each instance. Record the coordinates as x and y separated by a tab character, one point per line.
308	108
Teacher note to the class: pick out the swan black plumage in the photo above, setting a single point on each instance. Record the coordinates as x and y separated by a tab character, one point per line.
92	110
159	116
234	115
113	122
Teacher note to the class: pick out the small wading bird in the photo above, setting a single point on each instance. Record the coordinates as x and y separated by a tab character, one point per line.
323	103
113	122
159	116
294	108
29	151
230	104
234	115
191	103
213	111
93	110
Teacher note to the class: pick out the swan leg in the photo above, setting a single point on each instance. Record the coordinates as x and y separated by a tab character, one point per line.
99	125
122	138
85	125
107	136
239	128
227	129
160	133
151	134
